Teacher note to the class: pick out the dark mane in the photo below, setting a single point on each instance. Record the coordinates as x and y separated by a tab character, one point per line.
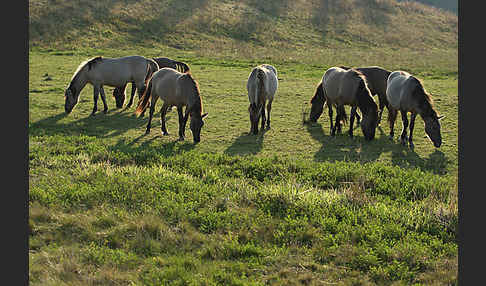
426	103
91	63
364	97
319	94
198	103
88	63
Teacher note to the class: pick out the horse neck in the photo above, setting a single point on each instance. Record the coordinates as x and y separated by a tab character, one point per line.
79	82
365	101
194	104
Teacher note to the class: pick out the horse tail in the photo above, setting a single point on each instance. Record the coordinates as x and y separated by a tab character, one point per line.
260	85
143	103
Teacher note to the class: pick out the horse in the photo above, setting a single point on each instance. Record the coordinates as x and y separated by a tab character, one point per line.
341	87
114	72
406	93
261	86
175	89
119	92
376	78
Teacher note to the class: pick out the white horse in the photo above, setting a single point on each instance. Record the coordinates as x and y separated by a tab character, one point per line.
261	86
115	72
406	93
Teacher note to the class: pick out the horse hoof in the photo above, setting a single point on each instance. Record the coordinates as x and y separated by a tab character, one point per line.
105	111
147	132
165	133
180	139
411	145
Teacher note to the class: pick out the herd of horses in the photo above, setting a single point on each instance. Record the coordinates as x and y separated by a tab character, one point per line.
173	82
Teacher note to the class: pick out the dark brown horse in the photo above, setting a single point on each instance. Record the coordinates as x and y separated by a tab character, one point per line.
119	92
406	93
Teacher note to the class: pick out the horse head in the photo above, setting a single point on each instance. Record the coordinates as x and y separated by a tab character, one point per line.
317	104
196	124
432	129
71	99
369	123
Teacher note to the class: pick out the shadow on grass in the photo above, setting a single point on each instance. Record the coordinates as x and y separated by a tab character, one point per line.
344	148
246	144
114	123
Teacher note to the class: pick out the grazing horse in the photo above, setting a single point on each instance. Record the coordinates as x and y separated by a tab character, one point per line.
341	87
406	93
376	78
119	92
115	72
261	86
175	89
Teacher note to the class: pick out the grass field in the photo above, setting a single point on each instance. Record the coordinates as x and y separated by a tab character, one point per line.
109	205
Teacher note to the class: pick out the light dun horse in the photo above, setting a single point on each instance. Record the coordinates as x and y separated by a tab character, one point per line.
114	72
341	87
376	78
119	92
261	86
175	89
407	94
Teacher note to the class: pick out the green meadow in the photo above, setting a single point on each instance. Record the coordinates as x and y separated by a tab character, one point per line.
109	205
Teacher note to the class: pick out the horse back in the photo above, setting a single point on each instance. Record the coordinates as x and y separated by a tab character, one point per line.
376	78
340	85
119	71
399	92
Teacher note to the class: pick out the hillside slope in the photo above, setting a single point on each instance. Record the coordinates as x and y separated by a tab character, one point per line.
300	30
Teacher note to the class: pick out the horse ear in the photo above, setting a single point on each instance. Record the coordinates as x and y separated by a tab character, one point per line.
441	117
204	115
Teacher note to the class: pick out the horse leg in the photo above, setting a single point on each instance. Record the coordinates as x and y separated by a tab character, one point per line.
103	98
339	117
181	123
358	118
329	106
184	120
351	120
153	101
134	88
269	108
403	136
163	112
412	124
382	107
392	116
96	91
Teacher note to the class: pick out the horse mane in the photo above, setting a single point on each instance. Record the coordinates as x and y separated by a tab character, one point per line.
198	106
318	94
425	100
364	102
89	62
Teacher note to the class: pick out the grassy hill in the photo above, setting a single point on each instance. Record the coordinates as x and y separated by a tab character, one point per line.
109	205
310	31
